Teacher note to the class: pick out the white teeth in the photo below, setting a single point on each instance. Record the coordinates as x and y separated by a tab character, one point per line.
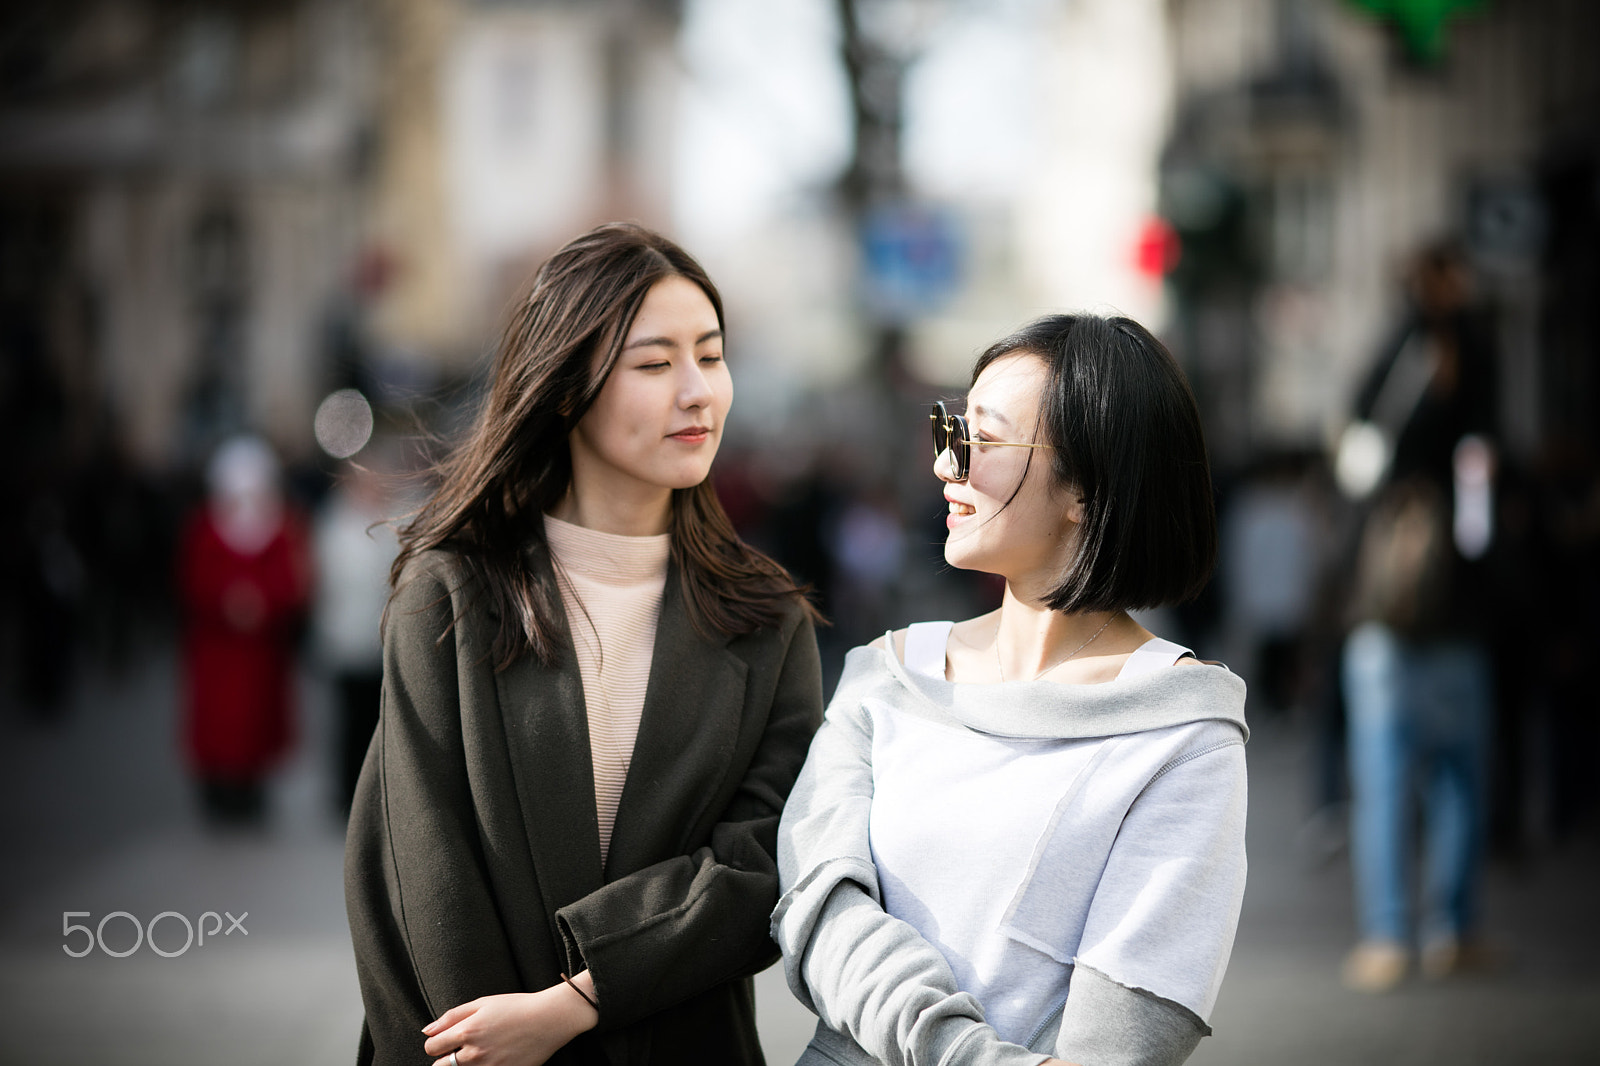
961	509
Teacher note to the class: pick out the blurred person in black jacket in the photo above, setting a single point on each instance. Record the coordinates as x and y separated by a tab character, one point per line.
1416	667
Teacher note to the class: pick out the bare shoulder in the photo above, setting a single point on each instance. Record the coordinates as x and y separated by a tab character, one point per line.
976	632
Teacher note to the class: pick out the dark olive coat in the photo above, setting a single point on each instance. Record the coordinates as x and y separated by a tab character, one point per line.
472	864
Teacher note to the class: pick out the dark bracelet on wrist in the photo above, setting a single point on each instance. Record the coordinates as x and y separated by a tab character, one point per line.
586	997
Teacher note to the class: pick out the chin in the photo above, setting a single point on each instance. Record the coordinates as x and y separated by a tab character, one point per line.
961	556
687	480
684	475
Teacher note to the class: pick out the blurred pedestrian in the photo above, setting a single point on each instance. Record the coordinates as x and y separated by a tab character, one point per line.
245	585
1022	835
1269	568
355	547
596	699
1416	667
50	588
867	543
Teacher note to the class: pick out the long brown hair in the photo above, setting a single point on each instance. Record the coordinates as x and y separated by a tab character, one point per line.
515	464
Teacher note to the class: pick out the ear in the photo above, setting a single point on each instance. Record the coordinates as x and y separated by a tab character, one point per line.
1075	507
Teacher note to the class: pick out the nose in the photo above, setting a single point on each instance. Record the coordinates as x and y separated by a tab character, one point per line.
694	390
944	466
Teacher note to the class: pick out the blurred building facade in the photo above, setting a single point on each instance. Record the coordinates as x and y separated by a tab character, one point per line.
192	196
1315	146
508	128
180	185
187	192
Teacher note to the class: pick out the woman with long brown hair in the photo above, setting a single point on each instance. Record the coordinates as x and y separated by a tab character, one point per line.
596	699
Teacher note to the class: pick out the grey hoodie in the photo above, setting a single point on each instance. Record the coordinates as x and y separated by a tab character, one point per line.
1118	881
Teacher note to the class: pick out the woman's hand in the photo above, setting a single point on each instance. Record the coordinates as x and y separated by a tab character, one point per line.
516	1029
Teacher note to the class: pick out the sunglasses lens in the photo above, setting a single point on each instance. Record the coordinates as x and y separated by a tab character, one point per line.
960	450
950	432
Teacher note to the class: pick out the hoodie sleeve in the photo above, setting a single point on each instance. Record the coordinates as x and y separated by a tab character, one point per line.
868	975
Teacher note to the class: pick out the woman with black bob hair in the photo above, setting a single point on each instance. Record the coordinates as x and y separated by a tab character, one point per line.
1019	838
595	700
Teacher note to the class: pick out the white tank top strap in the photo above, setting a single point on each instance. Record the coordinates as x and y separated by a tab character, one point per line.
925	643
1154	654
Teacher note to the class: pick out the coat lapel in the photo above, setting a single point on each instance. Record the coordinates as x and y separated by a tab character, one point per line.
547	737
687	736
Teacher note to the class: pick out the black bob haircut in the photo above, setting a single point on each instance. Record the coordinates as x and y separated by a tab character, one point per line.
1124	430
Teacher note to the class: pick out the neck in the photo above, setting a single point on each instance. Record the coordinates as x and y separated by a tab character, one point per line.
1034	639
629	514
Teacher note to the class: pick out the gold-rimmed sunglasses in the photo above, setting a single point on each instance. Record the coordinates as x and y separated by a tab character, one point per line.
952	432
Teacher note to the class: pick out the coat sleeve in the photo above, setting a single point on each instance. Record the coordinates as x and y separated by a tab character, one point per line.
866	974
663	934
426	932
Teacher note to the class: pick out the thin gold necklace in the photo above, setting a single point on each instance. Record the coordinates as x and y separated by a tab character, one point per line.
1061	662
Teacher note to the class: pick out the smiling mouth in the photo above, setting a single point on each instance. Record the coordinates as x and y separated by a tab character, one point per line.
961	510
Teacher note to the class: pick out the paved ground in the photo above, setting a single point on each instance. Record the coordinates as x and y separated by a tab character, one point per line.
1282	1002
97	818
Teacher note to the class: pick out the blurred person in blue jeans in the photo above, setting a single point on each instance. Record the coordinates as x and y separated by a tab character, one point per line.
1416	665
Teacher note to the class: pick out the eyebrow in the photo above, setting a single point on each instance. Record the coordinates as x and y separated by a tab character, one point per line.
668	342
980	411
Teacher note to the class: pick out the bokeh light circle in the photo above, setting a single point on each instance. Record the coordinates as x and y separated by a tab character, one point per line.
1362	459
344	423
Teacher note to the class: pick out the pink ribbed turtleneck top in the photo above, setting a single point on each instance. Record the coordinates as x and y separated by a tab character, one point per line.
611	586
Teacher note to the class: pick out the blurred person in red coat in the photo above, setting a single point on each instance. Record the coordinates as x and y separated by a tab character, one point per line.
245	584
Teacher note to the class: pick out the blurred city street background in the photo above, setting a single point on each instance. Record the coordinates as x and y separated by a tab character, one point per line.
303	221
